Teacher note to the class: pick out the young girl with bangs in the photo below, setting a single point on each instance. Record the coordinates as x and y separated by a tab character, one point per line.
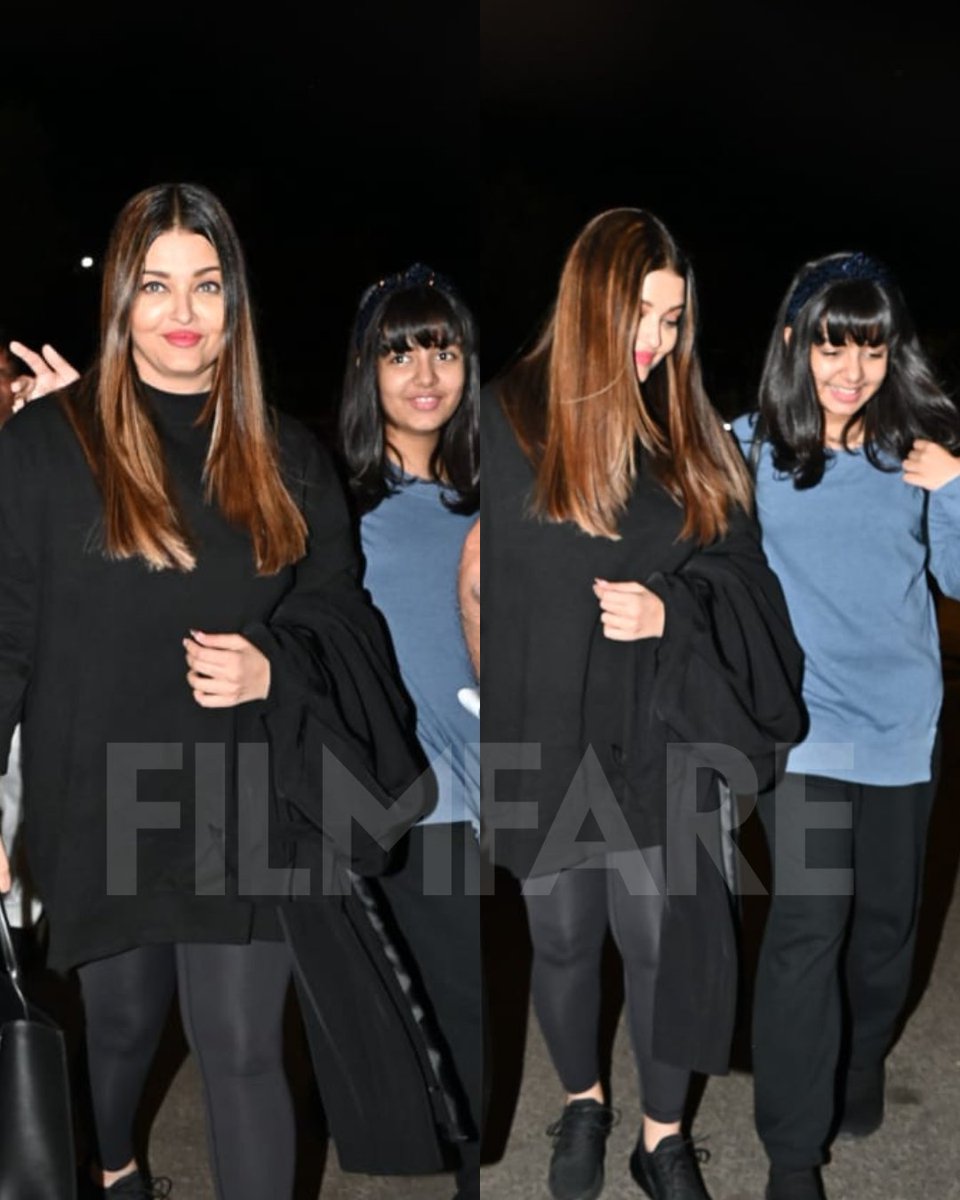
409	435
621	566
858	498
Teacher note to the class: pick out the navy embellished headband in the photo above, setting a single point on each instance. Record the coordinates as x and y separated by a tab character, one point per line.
415	276
844	268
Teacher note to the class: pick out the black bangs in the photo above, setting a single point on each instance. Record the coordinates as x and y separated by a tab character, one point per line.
419	316
859	311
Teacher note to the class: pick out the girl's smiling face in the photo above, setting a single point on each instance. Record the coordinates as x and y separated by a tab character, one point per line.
846	379
420	390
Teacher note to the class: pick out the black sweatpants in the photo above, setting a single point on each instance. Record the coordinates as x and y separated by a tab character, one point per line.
434	897
569	913
837	950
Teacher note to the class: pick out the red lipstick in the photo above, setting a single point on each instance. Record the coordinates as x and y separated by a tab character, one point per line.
184	339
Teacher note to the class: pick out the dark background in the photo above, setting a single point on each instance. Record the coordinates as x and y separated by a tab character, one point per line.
479	138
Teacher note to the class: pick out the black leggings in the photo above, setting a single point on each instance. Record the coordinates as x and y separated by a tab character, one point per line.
231	1005
569	913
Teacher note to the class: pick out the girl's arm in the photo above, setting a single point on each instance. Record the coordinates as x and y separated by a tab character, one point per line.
51	371
935	469
468	589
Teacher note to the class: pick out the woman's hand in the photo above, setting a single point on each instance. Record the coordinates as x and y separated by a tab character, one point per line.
225	669
629	611
4	869
51	371
929	466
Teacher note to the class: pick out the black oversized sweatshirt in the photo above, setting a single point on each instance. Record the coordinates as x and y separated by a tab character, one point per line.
130	787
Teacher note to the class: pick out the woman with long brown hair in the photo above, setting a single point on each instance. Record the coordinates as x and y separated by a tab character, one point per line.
623	571
174	562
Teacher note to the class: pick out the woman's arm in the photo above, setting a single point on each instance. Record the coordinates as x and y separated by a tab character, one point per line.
326	595
338	717
281	658
728	667
19	525
19	558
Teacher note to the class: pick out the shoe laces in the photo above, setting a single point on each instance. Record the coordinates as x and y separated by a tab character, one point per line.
576	1125
679	1163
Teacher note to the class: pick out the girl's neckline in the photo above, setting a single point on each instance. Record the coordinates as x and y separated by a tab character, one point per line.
405	477
849	448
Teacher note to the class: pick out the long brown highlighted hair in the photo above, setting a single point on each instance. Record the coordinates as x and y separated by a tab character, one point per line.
580	413
108	413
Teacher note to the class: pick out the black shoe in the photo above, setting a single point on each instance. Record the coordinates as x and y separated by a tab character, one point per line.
138	1187
862	1110
579	1142
671	1171
804	1184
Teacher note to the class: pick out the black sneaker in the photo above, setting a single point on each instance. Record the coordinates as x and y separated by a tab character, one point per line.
138	1187
579	1142
862	1105
671	1171
804	1184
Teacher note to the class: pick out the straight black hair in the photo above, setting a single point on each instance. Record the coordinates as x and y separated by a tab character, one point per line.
430	315
868	311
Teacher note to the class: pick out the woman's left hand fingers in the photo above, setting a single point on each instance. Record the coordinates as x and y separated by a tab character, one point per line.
622	602
214	700
216	663
628	610
202	682
225	669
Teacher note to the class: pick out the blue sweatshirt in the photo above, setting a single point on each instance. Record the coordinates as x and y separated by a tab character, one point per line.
852	554
412	547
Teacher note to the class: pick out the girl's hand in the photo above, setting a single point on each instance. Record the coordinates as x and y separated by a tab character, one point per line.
929	466
4	869
225	669
629	611
51	371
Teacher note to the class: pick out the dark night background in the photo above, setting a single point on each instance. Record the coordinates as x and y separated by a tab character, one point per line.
347	143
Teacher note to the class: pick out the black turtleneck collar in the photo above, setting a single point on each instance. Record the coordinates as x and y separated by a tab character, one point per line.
174	410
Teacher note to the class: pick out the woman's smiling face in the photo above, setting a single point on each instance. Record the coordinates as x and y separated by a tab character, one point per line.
177	319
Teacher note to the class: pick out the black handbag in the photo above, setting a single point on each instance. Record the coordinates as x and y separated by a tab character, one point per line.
37	1160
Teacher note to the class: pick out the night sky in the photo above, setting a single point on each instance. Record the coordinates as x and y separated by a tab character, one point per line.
479	139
